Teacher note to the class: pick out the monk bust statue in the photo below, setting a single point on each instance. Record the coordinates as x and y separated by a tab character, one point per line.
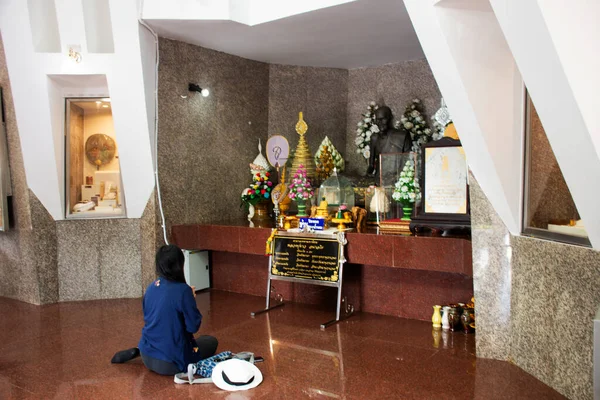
388	140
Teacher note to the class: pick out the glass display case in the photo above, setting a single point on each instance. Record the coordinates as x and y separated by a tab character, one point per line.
378	201
92	167
379	204
391	165
337	190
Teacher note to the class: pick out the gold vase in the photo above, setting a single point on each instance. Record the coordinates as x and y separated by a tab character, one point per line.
261	218
303	155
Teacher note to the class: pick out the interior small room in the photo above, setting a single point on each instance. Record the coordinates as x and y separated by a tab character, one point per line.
94	185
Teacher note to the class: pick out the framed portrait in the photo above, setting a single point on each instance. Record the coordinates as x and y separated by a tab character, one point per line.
445	190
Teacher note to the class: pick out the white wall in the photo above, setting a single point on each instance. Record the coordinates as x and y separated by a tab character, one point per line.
550	86
38	99
248	12
499	102
578	48
44	26
98	26
148	50
479	81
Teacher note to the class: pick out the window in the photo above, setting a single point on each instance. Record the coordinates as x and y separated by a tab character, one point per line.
93	174
549	209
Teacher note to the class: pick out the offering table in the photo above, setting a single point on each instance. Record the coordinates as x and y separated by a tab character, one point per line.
385	274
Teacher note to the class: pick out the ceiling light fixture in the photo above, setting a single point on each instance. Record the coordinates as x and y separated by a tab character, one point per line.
195	88
105	106
106	99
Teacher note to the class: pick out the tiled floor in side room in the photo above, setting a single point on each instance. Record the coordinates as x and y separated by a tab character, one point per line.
63	351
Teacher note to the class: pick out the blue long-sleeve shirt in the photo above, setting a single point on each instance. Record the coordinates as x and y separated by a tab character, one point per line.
171	318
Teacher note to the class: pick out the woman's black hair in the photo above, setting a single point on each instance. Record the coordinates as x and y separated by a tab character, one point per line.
169	263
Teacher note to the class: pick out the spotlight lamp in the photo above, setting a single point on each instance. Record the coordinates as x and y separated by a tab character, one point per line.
74	54
195	88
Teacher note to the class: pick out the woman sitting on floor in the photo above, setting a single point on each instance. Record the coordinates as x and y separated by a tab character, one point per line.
171	318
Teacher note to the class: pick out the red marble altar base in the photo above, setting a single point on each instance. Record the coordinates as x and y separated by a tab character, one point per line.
402	276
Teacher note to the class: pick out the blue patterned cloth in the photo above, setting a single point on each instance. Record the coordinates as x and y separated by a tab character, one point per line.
205	367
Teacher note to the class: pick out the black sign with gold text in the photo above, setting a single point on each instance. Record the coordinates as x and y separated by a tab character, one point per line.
306	258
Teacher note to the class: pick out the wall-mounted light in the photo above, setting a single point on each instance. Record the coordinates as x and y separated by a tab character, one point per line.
74	54
195	88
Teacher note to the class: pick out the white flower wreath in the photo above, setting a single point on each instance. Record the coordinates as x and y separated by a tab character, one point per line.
366	127
414	122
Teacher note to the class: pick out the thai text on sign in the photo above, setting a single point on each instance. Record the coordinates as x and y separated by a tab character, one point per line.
306	258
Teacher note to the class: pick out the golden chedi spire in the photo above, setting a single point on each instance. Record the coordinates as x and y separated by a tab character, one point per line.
303	155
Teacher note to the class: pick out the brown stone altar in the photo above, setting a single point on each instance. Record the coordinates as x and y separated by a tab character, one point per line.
401	276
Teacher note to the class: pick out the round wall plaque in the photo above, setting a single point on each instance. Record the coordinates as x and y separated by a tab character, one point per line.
100	149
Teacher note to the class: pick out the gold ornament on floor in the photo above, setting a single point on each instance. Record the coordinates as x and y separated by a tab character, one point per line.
436	319
302	155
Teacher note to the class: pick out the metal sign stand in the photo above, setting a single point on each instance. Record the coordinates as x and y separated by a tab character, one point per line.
342	304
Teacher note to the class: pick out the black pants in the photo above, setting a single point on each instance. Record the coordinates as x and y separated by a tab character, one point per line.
207	347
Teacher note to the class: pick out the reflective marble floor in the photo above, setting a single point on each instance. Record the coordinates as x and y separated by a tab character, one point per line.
63	351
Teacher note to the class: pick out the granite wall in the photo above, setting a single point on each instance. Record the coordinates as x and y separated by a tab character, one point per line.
18	272
44	251
105	258
320	93
535	301
394	85
206	143
492	256
99	259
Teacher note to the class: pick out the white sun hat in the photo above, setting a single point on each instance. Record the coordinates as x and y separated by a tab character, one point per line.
235	374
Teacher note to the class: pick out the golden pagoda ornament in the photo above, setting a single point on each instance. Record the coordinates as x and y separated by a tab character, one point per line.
324	165
302	155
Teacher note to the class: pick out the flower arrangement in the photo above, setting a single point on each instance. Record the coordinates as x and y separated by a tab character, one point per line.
259	190
300	188
365	128
414	122
407	189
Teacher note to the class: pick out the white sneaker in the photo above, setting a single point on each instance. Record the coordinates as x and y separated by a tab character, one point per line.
181	378
191	372
184	377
